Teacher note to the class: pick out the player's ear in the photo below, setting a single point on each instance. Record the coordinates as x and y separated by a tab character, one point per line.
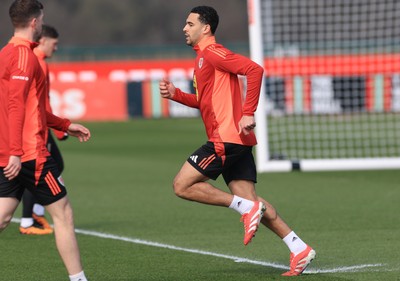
33	23
207	28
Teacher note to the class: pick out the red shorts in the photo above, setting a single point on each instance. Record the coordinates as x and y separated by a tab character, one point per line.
233	161
42	179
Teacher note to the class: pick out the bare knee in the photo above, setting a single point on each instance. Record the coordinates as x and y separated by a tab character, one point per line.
68	214
7	209
61	212
180	189
5	221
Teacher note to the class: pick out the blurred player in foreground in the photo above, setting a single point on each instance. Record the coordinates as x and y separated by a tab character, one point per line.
25	163
229	123
33	220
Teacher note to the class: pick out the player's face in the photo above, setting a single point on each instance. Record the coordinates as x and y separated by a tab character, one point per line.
193	30
49	45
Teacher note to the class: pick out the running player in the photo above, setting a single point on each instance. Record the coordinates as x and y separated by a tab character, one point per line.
229	122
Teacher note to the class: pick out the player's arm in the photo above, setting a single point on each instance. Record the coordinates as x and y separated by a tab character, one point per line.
16	115
65	125
169	91
254	74
241	65
56	122
21	76
60	135
19	85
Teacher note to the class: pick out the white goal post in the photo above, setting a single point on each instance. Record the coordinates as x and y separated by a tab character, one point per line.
330	99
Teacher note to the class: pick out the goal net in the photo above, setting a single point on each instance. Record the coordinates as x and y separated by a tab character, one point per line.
332	84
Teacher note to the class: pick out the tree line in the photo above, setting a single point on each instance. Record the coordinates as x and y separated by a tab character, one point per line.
131	22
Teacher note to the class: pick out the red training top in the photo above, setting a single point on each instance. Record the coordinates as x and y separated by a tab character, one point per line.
23	116
218	94
41	56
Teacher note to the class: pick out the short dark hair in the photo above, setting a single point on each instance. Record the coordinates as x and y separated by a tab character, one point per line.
49	31
207	15
23	11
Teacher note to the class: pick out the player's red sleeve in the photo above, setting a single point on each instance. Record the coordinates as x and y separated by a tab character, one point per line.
241	65
56	122
185	98
254	74
19	86
60	135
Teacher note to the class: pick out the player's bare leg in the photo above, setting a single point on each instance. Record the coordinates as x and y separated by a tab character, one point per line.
67	245
271	219
301	254
8	205
191	185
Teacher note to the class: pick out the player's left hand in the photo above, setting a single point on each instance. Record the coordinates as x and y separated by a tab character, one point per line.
246	124
79	131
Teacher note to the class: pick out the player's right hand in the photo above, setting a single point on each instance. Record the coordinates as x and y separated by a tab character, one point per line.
167	89
13	167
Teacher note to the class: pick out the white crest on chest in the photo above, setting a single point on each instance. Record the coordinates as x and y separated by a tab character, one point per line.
201	62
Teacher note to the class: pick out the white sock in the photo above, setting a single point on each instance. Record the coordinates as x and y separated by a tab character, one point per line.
38	210
26	222
241	205
78	277
295	244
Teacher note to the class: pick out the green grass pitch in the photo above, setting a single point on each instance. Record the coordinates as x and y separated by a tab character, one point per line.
132	226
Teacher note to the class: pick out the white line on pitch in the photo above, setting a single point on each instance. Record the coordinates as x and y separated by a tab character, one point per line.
207	253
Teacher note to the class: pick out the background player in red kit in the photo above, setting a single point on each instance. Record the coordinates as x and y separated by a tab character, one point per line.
33	220
25	163
229	122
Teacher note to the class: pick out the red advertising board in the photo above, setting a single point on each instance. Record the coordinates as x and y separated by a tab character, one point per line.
99	90
102	100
